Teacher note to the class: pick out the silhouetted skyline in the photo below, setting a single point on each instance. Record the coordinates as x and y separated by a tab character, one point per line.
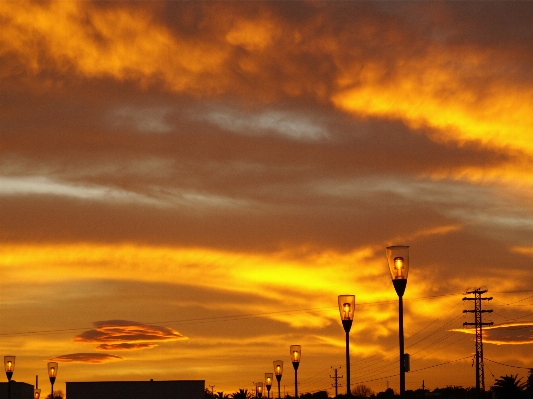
186	188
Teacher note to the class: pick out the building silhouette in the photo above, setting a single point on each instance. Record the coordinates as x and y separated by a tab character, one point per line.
19	390
182	389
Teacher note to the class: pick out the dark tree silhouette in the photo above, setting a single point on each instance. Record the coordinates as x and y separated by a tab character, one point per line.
241	394
529	385
387	394
221	395
508	387
362	391
57	395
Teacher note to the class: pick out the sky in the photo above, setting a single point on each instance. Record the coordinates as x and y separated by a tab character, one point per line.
187	187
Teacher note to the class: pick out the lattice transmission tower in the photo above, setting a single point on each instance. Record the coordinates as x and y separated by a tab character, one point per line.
478	323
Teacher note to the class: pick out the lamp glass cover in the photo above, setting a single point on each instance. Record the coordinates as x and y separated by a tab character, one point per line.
278	367
268	379
9	363
296	353
346	306
398	259
52	369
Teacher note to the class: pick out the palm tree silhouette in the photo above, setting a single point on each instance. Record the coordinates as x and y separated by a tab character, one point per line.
508	387
242	394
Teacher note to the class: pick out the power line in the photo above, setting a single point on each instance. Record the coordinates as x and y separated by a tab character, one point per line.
221	318
508	365
413	371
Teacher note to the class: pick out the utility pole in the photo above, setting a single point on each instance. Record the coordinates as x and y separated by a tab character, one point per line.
480	370
423	390
336	385
212	389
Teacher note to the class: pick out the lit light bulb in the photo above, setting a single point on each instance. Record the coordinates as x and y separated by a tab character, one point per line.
9	366
398	265
259	388
295	353
52	371
268	381
346	307
278	370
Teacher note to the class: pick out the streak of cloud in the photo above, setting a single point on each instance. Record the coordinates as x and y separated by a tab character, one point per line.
127	335
91	358
517	333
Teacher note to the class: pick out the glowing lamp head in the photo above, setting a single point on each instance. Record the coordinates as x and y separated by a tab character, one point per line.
268	380
296	353
36	393
9	365
346	306
398	259
52	371
278	368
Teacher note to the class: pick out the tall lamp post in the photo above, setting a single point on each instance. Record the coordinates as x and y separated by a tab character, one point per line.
259	390
346	309
278	370
296	354
9	363
52	373
398	259
268	382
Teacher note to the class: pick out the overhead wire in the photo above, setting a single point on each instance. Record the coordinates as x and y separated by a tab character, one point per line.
507	365
219	318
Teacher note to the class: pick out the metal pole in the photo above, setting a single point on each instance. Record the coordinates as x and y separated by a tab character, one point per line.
348	363
52	391
279	389
296	383
402	355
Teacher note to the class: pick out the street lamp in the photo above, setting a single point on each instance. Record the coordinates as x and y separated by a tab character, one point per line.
52	373
259	389
278	370
346	309
398	259
296	354
9	364
36	393
268	382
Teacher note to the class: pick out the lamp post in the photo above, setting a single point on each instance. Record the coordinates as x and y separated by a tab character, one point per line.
259	390
36	393
268	382
296	354
52	373
278	370
398	259
346	309
9	364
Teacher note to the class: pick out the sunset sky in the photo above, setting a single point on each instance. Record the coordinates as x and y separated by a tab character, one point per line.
187	187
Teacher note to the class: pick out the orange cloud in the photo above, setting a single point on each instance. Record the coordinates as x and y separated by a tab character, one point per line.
92	358
505	333
463	101
125	346
127	335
